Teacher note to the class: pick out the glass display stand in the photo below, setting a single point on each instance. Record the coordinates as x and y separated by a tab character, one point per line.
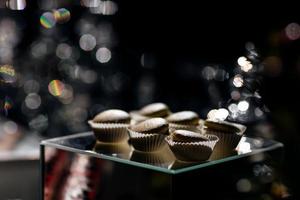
78	167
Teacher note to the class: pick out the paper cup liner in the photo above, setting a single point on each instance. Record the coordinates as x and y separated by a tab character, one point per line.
121	149
192	151
153	158
110	132
173	127
227	141
149	142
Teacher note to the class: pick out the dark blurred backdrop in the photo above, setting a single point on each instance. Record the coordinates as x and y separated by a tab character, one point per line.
182	53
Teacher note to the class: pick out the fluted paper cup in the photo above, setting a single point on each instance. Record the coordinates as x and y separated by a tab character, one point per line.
110	132
192	151
149	142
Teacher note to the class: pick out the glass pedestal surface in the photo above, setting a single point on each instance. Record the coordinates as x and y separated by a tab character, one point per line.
78	167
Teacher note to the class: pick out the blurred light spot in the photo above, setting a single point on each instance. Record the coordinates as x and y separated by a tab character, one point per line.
272	65
62	15
7	104
33	101
63	51
16	4
88	76
211	114
31	86
262	170
10	127
249	46
39	49
47	20
257	157
238	81
87	42
7	74
243	147
233	108
105	8
55	87
279	190
90	3
6	54
79	114
243	106
39	123
243	185
258	112
235	95
208	73
244	64
103	55
67	94
292	31
218	114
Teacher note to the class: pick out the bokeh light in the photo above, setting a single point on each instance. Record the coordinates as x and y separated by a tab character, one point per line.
105	8
67	94
7	74
10	127
244	64
62	15
56	87
47	20
292	31
218	114
103	55
33	101
243	106
243	185
90	3
16	4
208	73
88	76
87	42
235	95
63	51
31	86
39	123
238	80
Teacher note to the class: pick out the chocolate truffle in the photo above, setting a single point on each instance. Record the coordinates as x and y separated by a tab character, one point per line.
112	116
155	110
153	125
187	136
184	118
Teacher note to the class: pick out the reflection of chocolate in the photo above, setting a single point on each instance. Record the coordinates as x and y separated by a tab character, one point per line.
161	158
153	125
121	149
155	110
184	118
112	116
221	153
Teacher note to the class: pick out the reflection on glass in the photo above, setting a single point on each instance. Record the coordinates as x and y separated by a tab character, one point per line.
162	160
